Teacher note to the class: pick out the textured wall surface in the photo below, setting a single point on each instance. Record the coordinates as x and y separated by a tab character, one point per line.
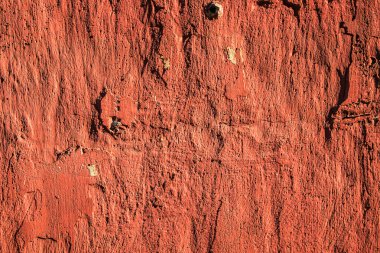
144	126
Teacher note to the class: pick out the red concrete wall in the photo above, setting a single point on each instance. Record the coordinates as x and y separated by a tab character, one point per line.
147	126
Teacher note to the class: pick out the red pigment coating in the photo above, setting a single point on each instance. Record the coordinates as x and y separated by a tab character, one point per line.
144	126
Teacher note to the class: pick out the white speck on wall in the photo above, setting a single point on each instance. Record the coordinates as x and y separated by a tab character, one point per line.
92	169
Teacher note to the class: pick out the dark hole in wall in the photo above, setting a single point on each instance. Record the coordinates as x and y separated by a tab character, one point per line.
213	10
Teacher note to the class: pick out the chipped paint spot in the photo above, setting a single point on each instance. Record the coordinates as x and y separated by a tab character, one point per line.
92	169
231	55
166	62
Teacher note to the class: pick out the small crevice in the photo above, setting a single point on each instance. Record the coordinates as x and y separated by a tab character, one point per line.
343	95
194	235
376	78
66	152
220	138
265	3
344	27
295	7
344	86
88	23
157	32
47	238
212	235
319	14
96	120
68	244
278	228
188	34
182	5
354	9
15	235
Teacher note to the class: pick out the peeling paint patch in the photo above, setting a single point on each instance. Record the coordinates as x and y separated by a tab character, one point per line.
92	169
231	55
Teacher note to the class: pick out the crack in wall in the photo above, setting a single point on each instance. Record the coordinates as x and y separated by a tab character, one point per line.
47	238
212	235
344	84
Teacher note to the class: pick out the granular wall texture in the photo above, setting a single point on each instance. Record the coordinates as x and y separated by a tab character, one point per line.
189	126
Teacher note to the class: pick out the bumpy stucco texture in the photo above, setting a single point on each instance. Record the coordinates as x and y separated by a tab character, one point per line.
147	126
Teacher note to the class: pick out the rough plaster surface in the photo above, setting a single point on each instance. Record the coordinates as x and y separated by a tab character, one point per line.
145	126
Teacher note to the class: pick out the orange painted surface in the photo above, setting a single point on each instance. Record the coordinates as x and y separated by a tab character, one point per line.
180	126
